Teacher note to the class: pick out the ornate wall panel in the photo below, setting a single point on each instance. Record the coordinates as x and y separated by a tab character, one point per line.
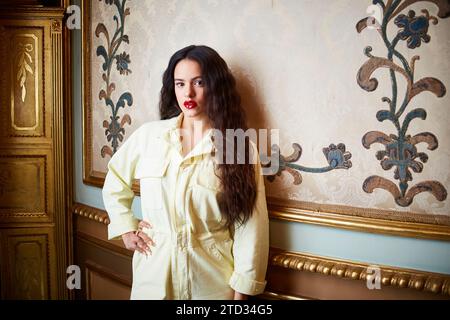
25	191
298	70
104	284
29	270
25	73
33	148
26	81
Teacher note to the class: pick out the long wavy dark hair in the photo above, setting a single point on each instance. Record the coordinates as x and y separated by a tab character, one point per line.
223	107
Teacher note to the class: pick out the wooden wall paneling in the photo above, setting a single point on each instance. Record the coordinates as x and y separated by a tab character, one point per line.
102	283
105	265
102	269
291	275
26	83
26	188
29	272
33	150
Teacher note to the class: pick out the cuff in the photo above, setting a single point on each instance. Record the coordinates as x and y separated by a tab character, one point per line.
115	230
246	285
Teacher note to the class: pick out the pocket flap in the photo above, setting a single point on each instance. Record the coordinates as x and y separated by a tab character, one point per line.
151	167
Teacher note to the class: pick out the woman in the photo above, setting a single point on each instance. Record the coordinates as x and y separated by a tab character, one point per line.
204	233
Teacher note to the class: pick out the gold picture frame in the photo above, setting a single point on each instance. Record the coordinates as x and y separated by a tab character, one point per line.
353	218
90	176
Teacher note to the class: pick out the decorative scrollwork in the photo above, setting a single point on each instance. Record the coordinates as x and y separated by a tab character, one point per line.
400	149
23	66
115	126
337	158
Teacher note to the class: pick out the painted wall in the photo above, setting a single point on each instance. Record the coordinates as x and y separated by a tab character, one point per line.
330	49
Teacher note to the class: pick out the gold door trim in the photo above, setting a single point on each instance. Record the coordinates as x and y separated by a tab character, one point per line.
20	77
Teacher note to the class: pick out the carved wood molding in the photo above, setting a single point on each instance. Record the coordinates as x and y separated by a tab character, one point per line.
91	213
56	26
60	145
390	276
31	13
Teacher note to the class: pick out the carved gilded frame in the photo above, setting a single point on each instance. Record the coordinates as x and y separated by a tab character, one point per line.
90	176
353	218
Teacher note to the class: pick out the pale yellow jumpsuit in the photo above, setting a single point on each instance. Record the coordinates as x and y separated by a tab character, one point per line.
194	257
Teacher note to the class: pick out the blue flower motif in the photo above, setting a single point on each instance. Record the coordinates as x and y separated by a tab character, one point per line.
414	28
114	131
337	157
123	60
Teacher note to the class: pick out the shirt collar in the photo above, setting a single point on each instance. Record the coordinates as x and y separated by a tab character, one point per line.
172	136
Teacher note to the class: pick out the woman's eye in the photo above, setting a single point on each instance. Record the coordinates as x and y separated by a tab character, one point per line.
179	84
199	83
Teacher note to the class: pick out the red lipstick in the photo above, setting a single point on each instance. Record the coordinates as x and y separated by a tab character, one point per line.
191	104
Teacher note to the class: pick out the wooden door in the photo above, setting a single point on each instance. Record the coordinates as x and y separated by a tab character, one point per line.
33	224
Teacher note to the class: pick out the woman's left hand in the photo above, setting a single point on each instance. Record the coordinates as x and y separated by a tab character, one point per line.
141	234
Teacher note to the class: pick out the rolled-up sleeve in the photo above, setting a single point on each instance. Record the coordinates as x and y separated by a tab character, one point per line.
251	246
117	193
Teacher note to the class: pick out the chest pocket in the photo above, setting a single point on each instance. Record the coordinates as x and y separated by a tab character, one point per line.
205	189
151	172
206	178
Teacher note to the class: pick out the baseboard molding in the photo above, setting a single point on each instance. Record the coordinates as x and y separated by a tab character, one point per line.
435	283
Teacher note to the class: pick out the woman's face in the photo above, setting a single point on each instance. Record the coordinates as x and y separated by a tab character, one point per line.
189	89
